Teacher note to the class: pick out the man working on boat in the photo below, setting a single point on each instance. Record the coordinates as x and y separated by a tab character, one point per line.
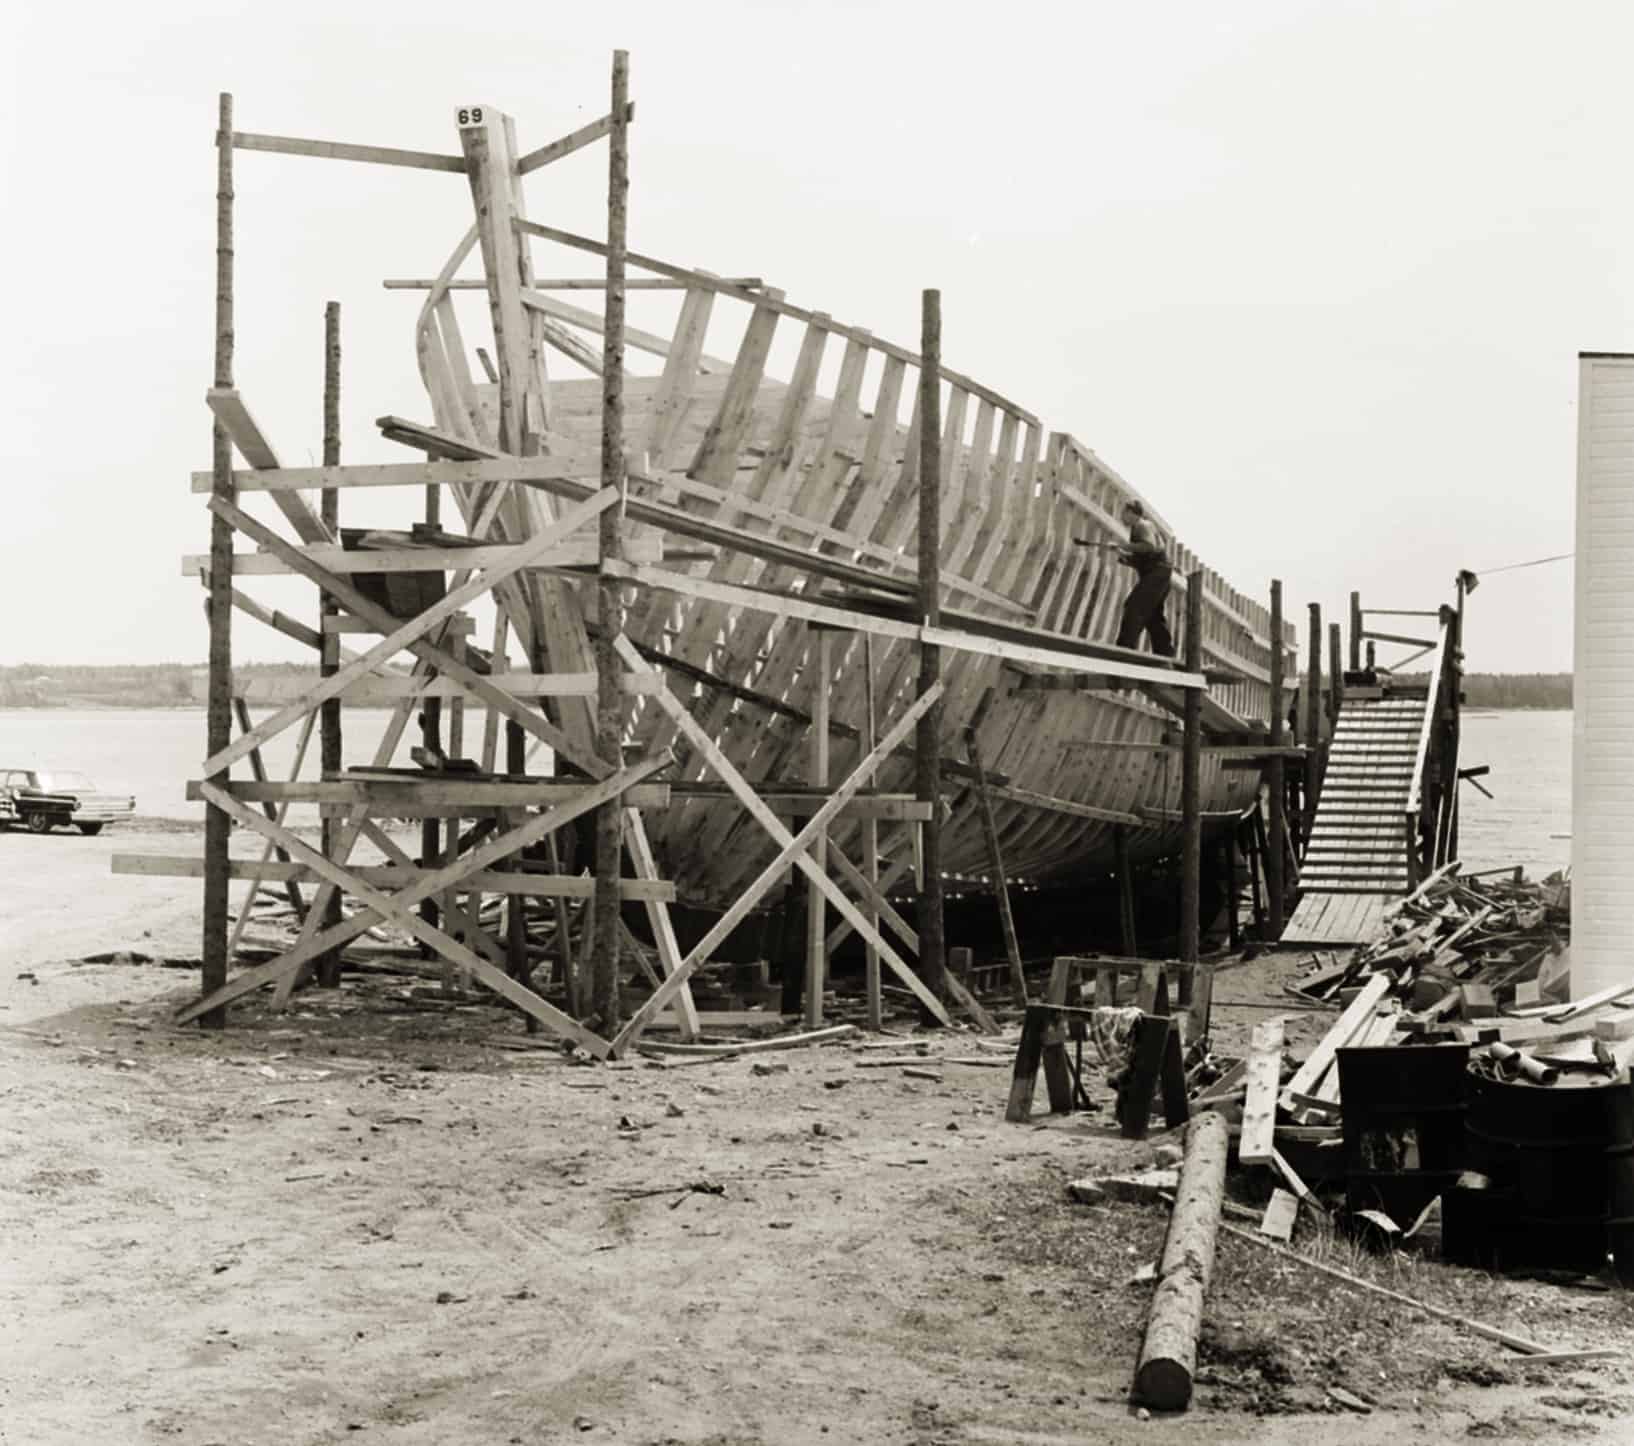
1143	608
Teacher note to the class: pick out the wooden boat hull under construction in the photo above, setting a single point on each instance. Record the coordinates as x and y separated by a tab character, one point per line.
1075	757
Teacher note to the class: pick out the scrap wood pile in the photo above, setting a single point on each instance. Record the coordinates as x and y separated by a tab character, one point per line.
1462	942
1445	1098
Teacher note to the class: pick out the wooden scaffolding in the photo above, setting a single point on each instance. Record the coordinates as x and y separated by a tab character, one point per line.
571	543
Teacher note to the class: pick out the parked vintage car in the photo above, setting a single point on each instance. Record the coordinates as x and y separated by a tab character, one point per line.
43	798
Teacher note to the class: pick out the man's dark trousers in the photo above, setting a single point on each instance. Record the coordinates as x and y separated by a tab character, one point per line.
1143	613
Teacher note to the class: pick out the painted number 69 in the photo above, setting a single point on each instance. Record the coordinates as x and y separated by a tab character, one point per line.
471	116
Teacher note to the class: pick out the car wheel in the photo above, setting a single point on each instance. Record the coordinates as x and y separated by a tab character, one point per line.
90	830
39	823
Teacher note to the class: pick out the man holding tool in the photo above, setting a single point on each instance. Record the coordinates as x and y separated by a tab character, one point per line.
1143	608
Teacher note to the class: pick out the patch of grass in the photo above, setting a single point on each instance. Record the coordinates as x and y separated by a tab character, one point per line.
1277	1333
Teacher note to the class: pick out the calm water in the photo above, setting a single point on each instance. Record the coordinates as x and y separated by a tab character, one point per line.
153	753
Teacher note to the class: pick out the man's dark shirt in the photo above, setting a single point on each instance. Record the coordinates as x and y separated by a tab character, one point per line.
1145	551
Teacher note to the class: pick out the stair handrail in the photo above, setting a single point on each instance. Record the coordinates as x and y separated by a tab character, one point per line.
1415	796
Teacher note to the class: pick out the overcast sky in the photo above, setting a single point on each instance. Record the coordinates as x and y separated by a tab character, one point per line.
1311	276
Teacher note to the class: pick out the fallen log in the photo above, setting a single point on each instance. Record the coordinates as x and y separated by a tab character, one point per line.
1169	1354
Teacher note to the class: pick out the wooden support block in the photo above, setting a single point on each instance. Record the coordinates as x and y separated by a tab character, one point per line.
1152	996
1476	1002
1176	1109
1614	1027
1029	1056
1057	1074
1106	987
1280	1215
1134	1106
1202	1002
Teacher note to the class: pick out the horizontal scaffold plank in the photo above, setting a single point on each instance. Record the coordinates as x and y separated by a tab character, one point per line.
387	792
784	605
485	881
518	685
341	151
461	625
575	552
898	807
582	463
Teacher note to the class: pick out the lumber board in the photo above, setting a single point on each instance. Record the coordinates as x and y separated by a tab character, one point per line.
342	151
658	917
828	1035
1264	1075
565	886
386	794
518	685
1356	1015
856	621
558	283
573	141
578	463
579	553
235	419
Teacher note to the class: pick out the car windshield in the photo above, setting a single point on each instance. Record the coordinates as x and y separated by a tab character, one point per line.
63	778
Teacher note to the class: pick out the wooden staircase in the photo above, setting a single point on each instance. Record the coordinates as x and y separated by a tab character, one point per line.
1356	857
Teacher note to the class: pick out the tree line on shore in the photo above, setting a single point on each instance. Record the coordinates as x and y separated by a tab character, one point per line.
183	685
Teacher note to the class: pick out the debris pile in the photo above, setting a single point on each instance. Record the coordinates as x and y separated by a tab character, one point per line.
1462	942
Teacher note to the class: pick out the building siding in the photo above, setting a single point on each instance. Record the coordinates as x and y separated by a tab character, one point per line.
1603	685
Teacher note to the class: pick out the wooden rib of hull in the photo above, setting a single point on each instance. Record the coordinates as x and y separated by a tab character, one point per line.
839	475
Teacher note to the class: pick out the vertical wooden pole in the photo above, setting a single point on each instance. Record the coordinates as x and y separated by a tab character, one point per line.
1191	790
1313	721
516	905
1355	632
928	742
1372	659
1336	673
610	612
327	966
816	913
1126	892
1228	857
1276	775
1455	700
870	843
218	717
431	738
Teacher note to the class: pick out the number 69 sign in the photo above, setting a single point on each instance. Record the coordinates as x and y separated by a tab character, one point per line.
470	115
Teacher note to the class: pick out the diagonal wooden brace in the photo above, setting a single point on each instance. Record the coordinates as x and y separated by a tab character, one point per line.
792	851
386	906
428	884
410	635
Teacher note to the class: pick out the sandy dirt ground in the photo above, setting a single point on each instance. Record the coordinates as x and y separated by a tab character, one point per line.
364	1221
